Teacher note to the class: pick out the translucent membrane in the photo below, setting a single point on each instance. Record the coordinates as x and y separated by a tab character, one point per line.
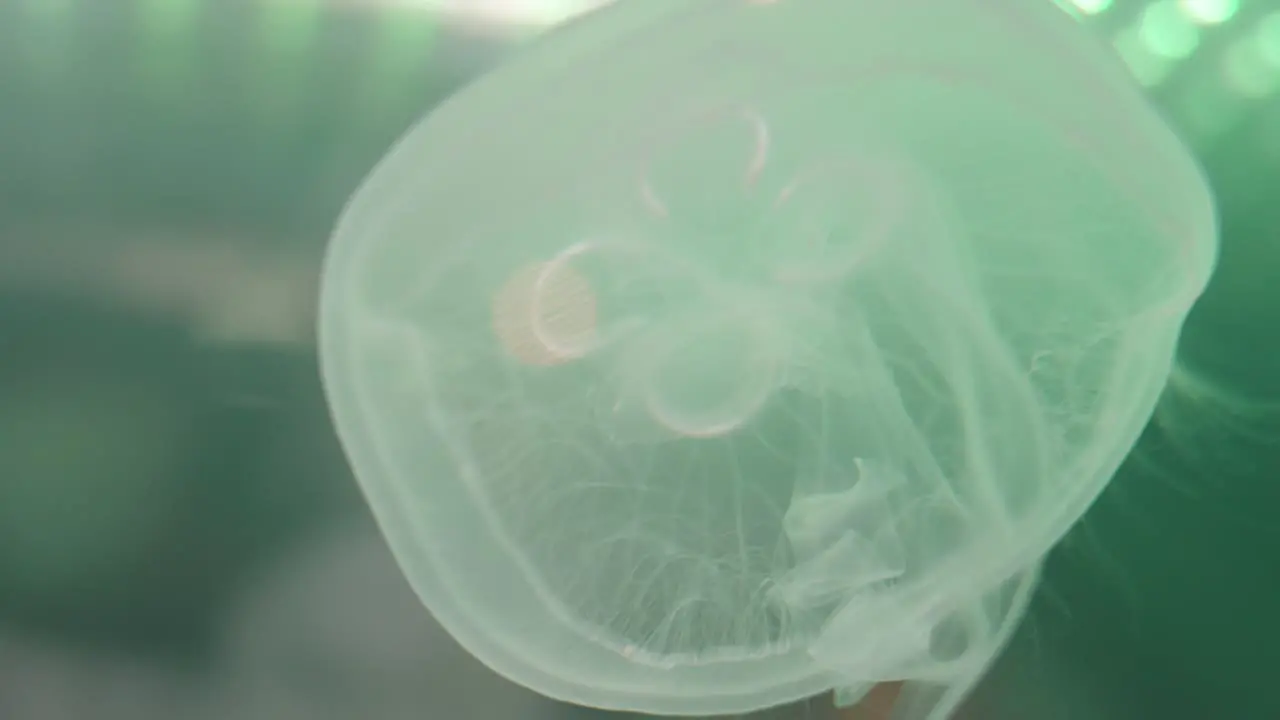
718	353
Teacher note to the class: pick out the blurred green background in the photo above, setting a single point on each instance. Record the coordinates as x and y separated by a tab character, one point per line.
179	534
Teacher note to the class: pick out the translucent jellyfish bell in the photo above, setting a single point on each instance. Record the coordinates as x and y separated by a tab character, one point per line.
719	353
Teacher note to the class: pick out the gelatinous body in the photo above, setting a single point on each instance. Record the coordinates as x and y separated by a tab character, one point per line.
719	353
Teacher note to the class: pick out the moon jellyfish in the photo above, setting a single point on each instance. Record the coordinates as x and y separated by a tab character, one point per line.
716	354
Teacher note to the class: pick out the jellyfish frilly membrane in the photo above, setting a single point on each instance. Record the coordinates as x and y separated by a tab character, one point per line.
772	356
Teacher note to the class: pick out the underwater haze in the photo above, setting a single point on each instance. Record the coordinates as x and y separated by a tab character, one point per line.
790	360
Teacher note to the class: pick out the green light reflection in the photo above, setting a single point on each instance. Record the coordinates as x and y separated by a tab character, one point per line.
1167	32
1078	8
1247	72
404	49
1268	38
286	40
1148	67
1209	12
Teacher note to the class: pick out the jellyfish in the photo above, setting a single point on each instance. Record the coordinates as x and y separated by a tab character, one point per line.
715	354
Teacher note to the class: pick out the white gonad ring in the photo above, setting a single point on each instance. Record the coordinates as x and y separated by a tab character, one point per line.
545	314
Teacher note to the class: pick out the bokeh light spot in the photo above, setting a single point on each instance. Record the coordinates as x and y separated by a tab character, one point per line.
1247	72
1167	32
1089	7
1268	38
1148	68
1209	12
